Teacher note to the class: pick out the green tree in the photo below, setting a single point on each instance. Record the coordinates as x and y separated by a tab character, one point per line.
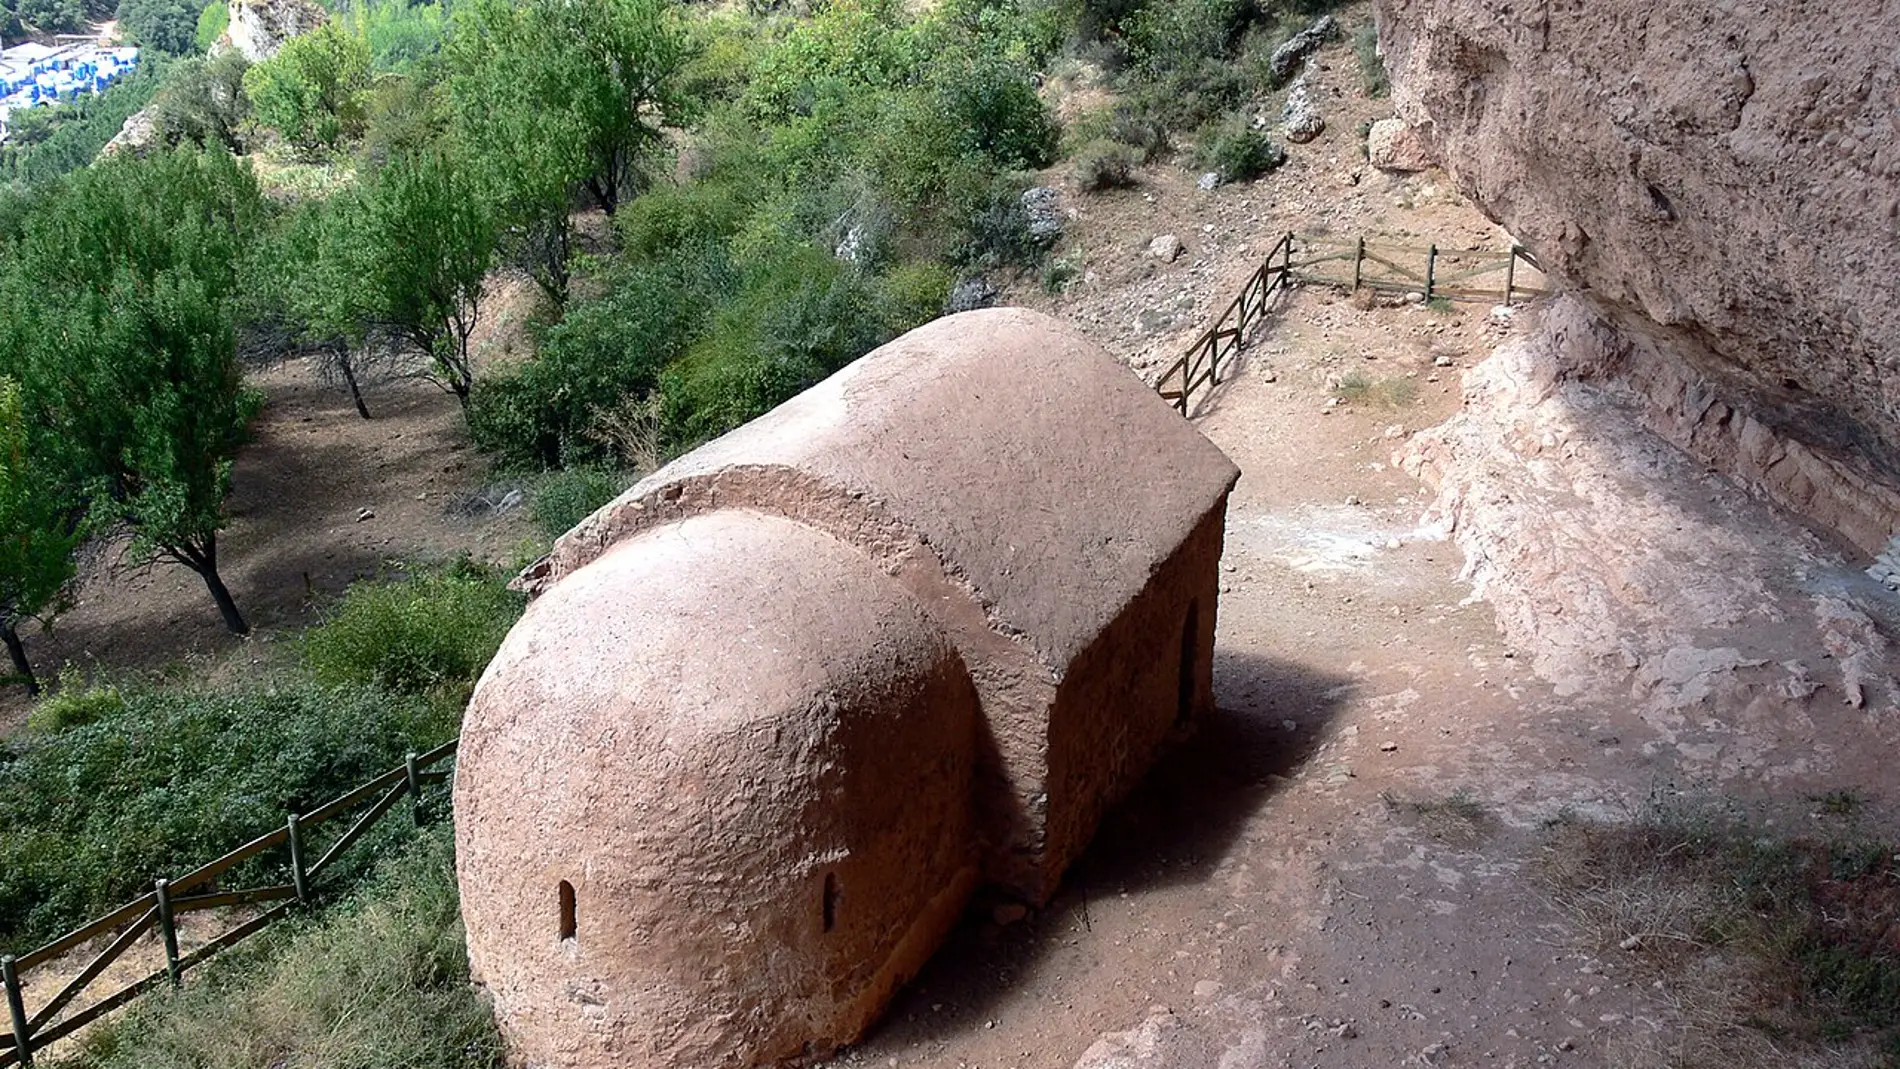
38	533
165	25
119	299
553	95
404	257
312	90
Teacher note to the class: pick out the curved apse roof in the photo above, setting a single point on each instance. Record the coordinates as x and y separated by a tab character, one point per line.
1041	472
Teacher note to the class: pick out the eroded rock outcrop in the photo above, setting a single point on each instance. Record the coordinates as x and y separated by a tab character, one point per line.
258	28
1724	179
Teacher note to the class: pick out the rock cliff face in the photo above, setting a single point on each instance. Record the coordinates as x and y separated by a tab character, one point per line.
258	28
1723	177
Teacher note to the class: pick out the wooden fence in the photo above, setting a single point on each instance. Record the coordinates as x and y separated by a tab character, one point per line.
1447	274
1200	366
197	890
1440	274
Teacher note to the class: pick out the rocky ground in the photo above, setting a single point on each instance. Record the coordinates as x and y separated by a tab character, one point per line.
1418	680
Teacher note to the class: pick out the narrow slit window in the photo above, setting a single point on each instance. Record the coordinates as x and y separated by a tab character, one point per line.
567	910
830	906
1190	662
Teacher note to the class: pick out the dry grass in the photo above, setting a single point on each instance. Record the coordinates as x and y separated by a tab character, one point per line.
1458	818
1394	392
1770	952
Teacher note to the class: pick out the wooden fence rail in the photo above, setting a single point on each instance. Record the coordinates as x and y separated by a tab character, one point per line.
1437	273
197	890
1448	274
1200	366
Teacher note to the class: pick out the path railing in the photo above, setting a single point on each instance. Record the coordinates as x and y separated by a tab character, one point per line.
1438	274
198	890
1456	274
1200	366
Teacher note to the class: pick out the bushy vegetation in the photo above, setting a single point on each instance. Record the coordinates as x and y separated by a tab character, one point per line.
1236	151
565	498
1103	165
169	778
162	25
380	979
431	633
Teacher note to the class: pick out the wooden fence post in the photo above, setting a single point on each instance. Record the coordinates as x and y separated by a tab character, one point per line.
167	927
414	776
1431	271
1358	258
1510	275
16	1008
297	878
1288	269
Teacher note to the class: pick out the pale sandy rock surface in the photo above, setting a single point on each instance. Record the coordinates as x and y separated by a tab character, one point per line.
1727	170
258	28
1391	145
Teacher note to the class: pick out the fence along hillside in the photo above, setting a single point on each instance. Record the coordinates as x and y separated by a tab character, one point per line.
1433	273
199	889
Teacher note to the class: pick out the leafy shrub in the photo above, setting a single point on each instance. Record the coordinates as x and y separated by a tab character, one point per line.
798	318
913	294
77	702
213	20
1139	131
19	17
98	811
543	413
380	980
1103	165
1236	151
398	34
161	25
311	91
203	102
565	498
1365	45
433	632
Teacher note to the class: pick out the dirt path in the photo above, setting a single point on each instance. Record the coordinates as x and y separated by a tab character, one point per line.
1343	868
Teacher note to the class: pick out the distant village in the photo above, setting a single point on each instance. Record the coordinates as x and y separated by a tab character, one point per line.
33	74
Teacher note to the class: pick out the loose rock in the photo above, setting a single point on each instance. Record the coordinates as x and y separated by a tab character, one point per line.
1300	116
1167	248
1392	145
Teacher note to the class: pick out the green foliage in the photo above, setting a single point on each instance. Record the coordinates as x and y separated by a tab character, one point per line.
565	498
401	36
380	980
913	294
203	102
405	118
22	18
1365	46
405	254
77	702
213	20
312	90
119	301
547	412
163	25
431	633
39	527
798	318
551	94
46	142
96	812
1236	151
1103	165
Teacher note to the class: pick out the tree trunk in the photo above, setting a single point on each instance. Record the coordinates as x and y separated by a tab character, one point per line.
344	364
205	563
17	650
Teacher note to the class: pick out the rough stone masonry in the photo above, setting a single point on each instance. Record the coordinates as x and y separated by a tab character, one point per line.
781	707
